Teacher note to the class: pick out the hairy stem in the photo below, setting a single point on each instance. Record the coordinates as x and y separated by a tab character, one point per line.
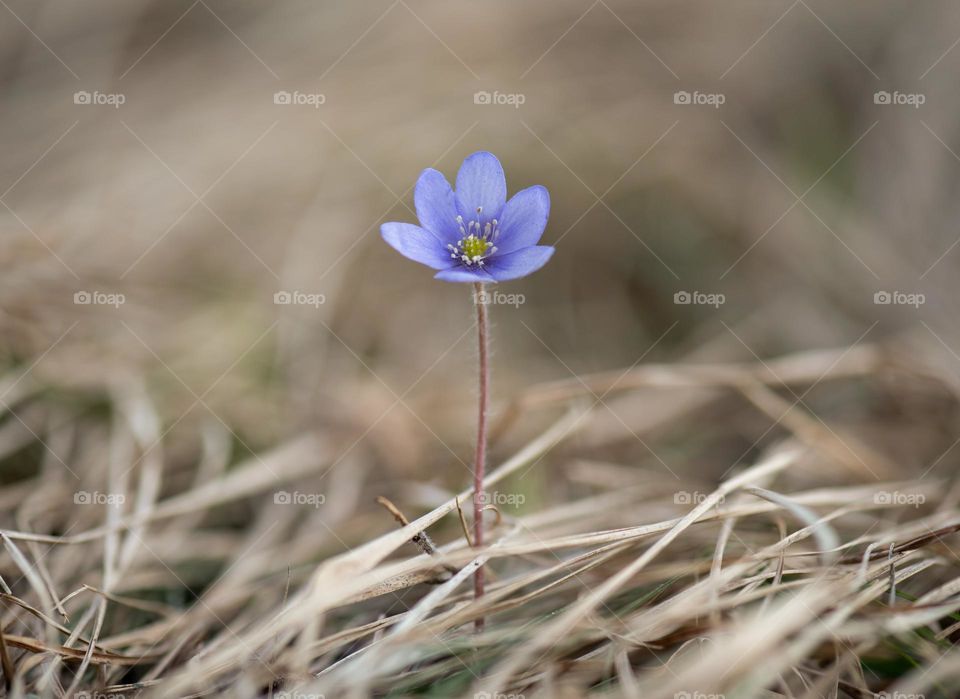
481	454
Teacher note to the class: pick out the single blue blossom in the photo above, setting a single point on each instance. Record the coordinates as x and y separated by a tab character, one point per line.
474	234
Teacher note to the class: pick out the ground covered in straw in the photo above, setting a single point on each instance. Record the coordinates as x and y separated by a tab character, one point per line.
819	561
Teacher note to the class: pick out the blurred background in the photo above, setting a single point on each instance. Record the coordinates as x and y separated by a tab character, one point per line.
193	283
729	182
178	164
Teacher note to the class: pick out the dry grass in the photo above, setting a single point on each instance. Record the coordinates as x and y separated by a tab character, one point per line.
752	500
213	588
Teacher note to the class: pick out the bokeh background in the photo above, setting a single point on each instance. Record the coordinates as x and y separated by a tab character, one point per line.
788	183
199	197
797	198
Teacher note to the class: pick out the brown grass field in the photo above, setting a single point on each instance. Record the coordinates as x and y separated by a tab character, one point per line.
725	416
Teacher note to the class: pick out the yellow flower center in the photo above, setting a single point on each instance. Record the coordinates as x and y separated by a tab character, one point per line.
474	247
477	241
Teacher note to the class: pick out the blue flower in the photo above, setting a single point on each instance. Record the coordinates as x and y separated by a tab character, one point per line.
475	234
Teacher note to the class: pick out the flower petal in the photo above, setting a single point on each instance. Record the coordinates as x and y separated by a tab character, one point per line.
523	219
436	205
462	273
520	263
418	244
481	184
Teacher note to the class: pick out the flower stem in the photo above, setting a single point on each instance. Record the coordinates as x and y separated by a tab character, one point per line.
481	454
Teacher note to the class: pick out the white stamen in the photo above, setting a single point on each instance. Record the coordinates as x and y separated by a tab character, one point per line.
475	231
